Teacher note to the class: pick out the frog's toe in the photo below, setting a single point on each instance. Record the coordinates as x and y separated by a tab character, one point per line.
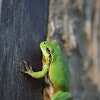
30	67
26	66
22	71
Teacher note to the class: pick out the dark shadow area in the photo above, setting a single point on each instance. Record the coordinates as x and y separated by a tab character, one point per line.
22	28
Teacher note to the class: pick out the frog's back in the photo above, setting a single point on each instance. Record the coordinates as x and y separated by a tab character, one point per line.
59	73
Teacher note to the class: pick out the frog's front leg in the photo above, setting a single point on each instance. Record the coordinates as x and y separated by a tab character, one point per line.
30	72
62	96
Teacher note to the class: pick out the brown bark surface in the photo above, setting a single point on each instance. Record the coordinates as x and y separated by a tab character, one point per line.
76	27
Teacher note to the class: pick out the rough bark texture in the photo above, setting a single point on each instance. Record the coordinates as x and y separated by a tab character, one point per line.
22	28
77	30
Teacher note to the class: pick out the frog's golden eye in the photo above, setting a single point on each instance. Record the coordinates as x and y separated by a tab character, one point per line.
48	50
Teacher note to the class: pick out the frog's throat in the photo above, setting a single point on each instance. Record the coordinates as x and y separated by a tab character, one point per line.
44	58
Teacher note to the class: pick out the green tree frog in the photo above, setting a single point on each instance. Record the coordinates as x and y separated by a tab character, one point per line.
56	66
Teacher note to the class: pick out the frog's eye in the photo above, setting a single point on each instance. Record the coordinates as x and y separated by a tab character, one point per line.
48	50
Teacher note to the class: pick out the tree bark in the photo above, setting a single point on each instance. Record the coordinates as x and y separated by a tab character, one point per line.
77	31
22	28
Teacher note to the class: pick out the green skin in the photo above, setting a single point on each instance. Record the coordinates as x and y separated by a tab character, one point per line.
57	68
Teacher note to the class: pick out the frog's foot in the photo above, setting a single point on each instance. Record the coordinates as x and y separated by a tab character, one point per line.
62	96
28	68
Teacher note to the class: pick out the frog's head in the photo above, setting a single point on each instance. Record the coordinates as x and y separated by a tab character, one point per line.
49	49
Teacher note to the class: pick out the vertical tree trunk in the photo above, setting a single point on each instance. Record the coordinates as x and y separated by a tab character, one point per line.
22	28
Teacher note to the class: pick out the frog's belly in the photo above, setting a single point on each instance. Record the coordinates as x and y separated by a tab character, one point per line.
59	81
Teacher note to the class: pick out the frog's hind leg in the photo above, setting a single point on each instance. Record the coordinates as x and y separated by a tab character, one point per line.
62	96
